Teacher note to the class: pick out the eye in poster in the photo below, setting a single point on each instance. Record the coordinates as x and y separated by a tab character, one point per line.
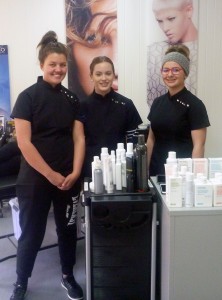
172	22
5	106
91	29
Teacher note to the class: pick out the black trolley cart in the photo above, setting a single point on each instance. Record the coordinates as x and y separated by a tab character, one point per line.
120	233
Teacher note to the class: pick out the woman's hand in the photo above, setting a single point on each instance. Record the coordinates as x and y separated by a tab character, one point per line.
68	182
55	178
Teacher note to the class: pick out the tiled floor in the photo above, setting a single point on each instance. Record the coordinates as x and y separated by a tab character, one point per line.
45	281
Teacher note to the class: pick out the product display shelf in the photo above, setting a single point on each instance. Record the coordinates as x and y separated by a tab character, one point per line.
190	249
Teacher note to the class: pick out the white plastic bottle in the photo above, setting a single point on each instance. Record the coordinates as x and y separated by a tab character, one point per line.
203	192
118	173
171	159
113	160
189	195
182	173
104	153
170	167
109	176
175	190
123	169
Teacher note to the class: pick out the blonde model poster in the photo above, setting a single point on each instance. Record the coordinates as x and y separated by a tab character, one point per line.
172	22
91	27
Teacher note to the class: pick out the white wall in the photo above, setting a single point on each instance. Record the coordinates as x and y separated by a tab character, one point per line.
24	22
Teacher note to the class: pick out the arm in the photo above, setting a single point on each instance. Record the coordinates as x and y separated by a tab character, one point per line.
150	143
31	154
79	154
198	138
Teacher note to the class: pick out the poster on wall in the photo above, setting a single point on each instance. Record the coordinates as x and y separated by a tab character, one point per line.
5	106
172	22
91	28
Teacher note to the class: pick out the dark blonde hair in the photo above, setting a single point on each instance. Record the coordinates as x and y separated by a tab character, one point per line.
78	20
49	44
99	59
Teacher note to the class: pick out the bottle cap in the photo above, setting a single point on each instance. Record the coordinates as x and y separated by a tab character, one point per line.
172	154
183	169
120	146
129	148
95	158
112	153
104	150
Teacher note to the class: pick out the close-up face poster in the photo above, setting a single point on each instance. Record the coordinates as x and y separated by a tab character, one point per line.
91	29
173	22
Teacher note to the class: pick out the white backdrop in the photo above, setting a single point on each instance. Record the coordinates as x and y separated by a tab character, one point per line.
24	22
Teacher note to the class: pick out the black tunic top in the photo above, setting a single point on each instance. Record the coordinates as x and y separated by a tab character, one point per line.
51	112
106	121
172	119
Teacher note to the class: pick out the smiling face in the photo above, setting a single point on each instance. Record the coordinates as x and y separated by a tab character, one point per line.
54	68
175	23
102	77
97	43
175	83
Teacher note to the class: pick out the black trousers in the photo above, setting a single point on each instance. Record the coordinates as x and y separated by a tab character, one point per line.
34	204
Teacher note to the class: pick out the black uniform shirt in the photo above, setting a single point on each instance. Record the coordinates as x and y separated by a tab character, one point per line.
51	112
172	119
106	122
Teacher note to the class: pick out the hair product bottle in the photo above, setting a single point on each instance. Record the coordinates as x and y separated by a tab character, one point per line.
141	165
118	172
95	158
203	192
109	176
104	153
189	195
182	173
130	169
98	178
175	190
113	160
123	168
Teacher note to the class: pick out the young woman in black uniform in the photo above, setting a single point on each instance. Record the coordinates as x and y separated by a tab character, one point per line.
50	136
178	118
107	114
